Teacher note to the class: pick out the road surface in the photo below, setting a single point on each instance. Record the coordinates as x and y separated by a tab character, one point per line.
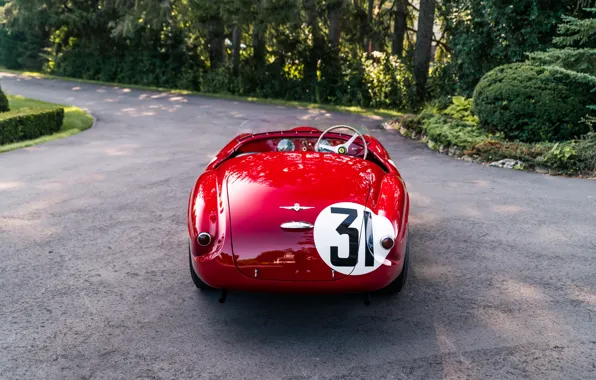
94	280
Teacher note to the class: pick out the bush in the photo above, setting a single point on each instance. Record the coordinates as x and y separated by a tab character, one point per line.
3	102
530	104
28	124
446	131
461	109
439	132
578	156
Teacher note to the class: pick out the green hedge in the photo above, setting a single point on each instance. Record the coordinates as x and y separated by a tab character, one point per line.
29	124
531	104
3	102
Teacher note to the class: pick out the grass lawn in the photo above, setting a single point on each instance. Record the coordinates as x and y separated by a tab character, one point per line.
383	113
75	120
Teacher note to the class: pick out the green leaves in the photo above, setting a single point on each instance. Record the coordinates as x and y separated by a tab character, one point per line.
461	109
29	124
577	32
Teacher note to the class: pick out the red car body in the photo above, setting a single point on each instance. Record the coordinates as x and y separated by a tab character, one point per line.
243	199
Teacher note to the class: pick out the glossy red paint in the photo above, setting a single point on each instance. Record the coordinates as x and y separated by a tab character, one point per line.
237	201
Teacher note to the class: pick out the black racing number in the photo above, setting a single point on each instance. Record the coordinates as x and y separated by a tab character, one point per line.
369	247
345	229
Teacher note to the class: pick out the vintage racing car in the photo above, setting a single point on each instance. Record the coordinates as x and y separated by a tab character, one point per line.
300	210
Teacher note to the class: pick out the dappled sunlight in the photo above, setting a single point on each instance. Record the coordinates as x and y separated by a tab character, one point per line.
178	99
133	112
35	230
111	100
93	178
506	209
434	272
76	88
101	90
52	186
470	212
586	296
552	234
159	96
10	185
122	150
522	291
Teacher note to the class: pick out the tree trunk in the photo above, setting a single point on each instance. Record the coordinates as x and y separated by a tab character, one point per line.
236	34
422	54
216	33
310	67
399	27
369	22
335	13
258	44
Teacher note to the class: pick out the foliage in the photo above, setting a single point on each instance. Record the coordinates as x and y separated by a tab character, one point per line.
26	124
491	33
580	60
495	150
461	109
4	107
327	51
577	32
446	131
573	156
530	103
460	138
574	32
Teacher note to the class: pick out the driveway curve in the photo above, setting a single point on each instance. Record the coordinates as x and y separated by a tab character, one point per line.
94	279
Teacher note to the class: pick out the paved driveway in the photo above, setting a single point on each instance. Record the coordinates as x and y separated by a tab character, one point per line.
94	279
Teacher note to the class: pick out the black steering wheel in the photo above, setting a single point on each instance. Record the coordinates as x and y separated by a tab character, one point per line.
343	148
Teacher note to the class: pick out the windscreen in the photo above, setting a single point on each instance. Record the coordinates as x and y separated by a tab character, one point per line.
284	123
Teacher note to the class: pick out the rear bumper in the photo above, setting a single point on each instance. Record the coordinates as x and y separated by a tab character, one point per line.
218	270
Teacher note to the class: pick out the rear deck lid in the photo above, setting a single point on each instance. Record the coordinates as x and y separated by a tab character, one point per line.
274	202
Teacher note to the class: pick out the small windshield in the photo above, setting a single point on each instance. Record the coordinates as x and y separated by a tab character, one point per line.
284	123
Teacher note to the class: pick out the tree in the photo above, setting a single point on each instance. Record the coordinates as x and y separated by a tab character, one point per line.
400	25
490	33
335	10
422	53
311	65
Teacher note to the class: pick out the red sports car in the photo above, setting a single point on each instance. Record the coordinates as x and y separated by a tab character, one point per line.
300	210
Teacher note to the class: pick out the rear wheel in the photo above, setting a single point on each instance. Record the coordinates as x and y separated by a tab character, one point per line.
195	279
398	284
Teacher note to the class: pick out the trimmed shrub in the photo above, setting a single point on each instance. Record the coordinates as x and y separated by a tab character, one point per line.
531	104
28	124
3	102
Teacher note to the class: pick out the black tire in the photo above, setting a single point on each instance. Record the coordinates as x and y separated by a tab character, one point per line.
195	279
398	284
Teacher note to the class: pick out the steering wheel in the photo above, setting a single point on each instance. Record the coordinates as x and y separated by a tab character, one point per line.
343	148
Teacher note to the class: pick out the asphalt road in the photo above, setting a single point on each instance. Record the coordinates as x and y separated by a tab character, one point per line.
94	280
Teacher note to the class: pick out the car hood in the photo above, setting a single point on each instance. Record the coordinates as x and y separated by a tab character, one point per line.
263	190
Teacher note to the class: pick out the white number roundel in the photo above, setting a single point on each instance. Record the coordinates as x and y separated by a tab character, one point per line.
341	232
